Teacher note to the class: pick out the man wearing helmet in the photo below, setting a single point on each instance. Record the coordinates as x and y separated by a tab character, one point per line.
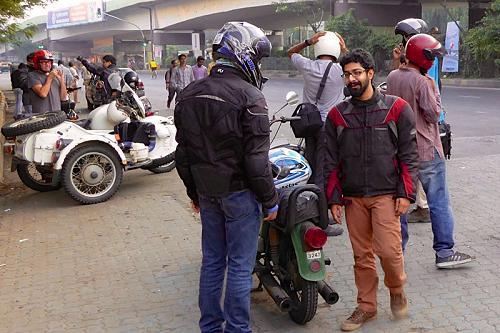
222	157
47	86
371	167
327	48
419	90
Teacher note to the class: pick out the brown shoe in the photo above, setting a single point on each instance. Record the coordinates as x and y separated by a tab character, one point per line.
419	215
399	305
357	319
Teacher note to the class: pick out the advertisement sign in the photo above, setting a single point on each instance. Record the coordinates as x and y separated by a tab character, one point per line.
450	59
83	13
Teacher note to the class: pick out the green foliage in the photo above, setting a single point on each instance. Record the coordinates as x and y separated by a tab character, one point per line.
354	32
313	11
357	35
484	40
12	10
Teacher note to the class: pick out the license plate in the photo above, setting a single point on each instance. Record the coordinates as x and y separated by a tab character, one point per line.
313	254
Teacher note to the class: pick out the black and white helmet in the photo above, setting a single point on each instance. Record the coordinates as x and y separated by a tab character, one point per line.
410	27
244	45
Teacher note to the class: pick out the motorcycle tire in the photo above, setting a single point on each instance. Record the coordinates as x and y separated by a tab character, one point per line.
33	123
162	165
85	171
33	176
305	301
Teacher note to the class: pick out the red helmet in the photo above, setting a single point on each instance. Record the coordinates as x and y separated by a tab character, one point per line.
422	49
41	55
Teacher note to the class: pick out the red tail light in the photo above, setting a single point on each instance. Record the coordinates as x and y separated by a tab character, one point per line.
315	237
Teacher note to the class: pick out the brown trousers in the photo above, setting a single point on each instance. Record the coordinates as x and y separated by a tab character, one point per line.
375	229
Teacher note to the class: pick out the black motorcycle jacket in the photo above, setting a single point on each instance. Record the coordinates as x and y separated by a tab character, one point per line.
371	149
223	137
102	73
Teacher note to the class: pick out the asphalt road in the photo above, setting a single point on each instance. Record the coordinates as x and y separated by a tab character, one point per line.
474	113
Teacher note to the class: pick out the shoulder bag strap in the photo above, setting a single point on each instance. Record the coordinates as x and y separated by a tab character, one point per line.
323	81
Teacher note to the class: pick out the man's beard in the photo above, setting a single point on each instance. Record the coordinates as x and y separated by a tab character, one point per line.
358	89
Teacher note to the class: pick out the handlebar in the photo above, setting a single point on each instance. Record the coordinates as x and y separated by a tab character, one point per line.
283	119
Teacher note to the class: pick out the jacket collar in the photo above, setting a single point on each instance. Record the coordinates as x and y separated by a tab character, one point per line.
226	71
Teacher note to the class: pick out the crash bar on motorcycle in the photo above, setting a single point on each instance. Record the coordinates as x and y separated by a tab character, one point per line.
292	203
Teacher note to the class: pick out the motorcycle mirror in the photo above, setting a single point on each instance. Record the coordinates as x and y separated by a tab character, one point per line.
292	98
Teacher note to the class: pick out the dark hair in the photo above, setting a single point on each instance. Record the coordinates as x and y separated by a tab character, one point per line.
30	56
181	55
109	58
22	66
360	56
70	64
60	62
173	62
200	58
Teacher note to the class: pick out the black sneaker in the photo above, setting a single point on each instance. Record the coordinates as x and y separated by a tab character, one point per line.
453	261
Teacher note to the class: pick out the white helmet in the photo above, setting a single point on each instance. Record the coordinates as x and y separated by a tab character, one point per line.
289	168
328	44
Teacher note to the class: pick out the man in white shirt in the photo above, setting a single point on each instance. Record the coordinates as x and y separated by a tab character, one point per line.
327	48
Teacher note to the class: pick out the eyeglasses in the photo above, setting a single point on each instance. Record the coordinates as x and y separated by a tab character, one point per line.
355	73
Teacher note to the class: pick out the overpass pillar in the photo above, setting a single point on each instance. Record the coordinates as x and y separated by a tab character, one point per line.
276	39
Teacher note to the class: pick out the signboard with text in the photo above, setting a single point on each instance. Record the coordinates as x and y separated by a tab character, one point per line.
450	59
83	13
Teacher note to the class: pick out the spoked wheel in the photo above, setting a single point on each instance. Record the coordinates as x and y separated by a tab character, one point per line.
304	295
36	177
92	174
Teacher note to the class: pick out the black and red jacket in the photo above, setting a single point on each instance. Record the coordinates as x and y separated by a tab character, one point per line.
371	149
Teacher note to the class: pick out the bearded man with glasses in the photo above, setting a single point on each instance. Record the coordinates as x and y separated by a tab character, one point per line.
371	169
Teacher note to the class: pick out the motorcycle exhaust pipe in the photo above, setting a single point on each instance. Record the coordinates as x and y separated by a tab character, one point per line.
275	291
329	295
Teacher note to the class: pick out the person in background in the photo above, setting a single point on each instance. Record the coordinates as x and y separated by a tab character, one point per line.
371	165
199	70
411	83
104	72
74	83
17	78
168	82
47	85
182	75
154	67
327	48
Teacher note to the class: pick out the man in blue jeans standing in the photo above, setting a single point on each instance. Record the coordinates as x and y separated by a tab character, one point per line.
412	83
222	157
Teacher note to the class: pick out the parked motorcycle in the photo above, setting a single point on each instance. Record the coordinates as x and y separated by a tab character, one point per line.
290	260
88	157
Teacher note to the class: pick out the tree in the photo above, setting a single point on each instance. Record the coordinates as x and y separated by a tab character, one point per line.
354	32
484	40
311	10
12	10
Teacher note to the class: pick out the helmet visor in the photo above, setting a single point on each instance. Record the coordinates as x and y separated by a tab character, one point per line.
430	54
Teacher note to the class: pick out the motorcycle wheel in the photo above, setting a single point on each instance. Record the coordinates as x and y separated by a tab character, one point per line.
162	165
92	174
33	123
305	301
36	178
163	168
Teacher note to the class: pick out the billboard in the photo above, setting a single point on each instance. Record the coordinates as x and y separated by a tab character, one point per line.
450	59
83	13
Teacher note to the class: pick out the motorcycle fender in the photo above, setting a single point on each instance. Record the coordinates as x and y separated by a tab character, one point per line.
303	263
97	139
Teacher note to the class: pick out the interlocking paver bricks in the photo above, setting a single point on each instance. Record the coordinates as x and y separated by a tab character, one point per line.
131	264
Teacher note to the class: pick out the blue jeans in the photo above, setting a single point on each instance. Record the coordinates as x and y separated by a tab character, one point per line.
18	92
230	230
432	175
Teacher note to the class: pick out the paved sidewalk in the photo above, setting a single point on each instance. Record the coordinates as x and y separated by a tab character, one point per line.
131	264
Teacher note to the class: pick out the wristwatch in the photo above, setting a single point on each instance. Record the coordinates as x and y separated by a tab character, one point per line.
306	41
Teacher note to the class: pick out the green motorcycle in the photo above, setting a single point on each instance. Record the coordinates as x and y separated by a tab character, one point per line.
290	259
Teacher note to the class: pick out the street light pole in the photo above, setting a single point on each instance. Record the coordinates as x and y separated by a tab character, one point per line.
150	30
140	30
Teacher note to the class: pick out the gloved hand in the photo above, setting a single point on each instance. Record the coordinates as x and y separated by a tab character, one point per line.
272	213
